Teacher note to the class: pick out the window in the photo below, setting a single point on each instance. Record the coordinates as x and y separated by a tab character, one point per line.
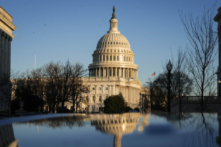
106	88
93	88
110	58
94	99
107	58
114	58
117	58
99	98
100	88
103	57
87	99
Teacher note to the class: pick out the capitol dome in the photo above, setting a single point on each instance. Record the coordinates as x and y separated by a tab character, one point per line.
113	40
113	55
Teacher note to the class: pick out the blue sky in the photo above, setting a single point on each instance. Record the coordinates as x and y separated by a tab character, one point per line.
59	30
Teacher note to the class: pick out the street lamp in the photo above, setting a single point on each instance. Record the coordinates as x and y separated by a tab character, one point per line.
219	91
141	99
169	68
143	102
151	92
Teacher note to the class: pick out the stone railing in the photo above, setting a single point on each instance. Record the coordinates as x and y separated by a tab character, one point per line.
194	103
107	79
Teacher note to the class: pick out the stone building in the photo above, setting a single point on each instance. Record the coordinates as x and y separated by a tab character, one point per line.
113	71
6	36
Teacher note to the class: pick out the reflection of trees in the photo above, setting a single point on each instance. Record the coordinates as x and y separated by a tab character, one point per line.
203	131
199	125
59	122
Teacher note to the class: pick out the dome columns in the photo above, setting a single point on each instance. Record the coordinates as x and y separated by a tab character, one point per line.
113	72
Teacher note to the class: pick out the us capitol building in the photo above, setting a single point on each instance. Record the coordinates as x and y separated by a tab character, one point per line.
112	72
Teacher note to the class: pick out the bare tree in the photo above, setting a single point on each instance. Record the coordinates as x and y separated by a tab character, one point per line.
77	88
182	85
202	51
53	84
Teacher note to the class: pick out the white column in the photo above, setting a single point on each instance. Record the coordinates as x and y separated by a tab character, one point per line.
108	90
2	53
102	92
99	72
126	73
95	89
6	55
123	72
119	72
135	74
107	72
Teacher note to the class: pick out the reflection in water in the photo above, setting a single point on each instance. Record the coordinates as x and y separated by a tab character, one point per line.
218	139
192	129
145	122
201	128
59	122
7	138
118	124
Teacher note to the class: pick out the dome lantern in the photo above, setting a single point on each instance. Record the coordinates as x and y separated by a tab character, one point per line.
113	23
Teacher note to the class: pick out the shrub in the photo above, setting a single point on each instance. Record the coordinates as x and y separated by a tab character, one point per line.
115	104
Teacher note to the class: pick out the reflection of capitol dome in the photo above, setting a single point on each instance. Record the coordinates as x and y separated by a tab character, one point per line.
116	124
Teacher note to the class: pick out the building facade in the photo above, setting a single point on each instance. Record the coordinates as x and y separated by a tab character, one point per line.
6	36
112	72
